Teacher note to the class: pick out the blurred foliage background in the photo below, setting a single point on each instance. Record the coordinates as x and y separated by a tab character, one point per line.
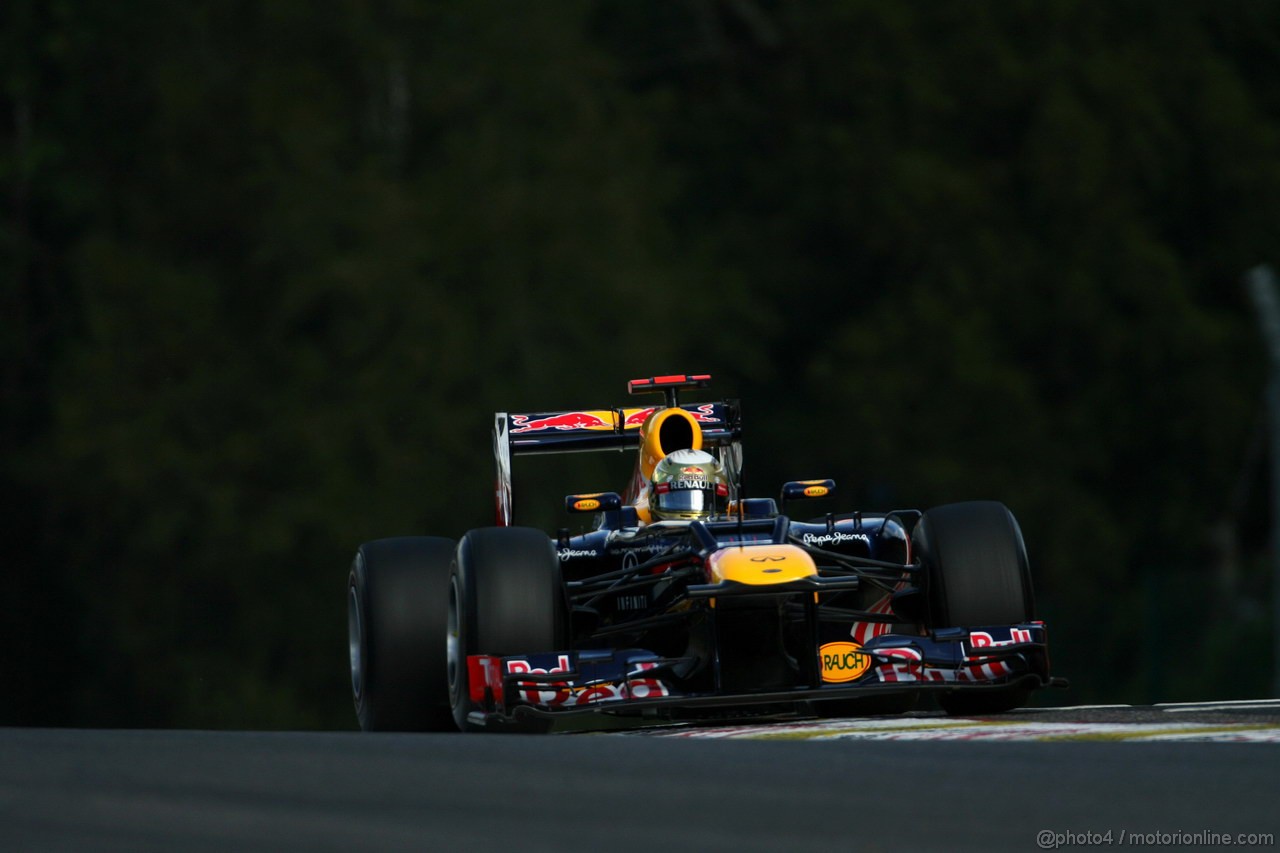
269	267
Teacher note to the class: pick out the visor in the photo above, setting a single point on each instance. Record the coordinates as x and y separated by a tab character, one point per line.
698	501
686	502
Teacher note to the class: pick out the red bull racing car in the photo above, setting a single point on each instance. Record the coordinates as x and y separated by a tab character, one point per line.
687	599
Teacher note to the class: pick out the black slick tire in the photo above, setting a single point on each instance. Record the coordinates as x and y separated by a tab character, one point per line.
506	598
976	574
396	615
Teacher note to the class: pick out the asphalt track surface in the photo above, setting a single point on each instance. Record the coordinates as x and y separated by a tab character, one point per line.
81	790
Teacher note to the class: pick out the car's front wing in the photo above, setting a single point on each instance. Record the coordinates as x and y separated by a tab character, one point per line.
620	682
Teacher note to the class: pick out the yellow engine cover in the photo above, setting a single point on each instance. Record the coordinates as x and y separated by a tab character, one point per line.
760	565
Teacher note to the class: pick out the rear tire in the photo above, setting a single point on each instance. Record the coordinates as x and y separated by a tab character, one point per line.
976	574
505	598
396	608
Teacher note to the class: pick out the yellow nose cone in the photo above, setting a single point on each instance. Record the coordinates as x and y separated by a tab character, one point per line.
761	565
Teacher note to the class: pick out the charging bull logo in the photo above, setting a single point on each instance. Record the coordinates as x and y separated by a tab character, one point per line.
843	662
704	414
637	417
564	421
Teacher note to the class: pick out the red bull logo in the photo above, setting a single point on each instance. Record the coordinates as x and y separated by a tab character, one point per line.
638	417
983	640
601	419
692	471
567	693
704	414
563	421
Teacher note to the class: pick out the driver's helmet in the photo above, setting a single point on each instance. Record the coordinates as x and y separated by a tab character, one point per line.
688	484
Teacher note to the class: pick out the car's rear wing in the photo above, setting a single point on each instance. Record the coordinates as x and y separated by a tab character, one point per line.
601	429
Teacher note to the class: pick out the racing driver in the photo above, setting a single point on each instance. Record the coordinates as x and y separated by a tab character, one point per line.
688	485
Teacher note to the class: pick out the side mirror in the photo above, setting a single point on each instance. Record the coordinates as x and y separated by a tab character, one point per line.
802	489
597	502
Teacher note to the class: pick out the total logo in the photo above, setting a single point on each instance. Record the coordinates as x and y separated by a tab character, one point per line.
843	662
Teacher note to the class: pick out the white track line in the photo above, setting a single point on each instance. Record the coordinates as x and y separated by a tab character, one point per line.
954	729
1074	708
1226	703
1241	707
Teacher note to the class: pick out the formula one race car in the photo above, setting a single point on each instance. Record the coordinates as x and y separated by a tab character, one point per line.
688	600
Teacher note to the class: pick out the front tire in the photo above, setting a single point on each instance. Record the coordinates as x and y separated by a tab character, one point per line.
976	574
396	606
505	598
